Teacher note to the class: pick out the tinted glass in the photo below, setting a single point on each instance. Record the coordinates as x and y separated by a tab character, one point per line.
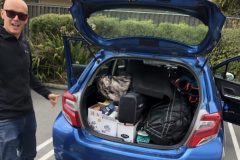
148	22
234	69
230	72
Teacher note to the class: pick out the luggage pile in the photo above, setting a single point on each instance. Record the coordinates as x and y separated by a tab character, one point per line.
146	107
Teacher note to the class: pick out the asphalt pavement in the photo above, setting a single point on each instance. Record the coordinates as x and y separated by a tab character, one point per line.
45	115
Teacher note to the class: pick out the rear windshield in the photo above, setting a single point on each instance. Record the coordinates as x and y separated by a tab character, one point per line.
123	22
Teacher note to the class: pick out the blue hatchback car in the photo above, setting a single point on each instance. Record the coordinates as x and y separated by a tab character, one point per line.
149	92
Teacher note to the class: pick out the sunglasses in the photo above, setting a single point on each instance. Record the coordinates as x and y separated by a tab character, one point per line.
12	14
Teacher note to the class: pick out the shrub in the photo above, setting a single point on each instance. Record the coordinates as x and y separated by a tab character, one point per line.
228	46
133	27
54	24
48	60
47	31
182	32
106	27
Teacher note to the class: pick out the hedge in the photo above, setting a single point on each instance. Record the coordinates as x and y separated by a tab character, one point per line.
228	46
46	33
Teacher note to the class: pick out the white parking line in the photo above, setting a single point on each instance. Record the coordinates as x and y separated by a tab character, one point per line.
39	147
46	156
234	139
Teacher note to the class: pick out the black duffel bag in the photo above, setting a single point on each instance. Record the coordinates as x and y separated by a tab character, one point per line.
168	121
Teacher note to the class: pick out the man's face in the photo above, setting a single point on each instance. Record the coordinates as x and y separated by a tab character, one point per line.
14	15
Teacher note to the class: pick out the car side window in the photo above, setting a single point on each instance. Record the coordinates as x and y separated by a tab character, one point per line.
230	72
120	68
113	68
234	68
105	69
219	73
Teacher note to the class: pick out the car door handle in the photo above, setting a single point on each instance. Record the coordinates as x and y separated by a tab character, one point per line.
228	91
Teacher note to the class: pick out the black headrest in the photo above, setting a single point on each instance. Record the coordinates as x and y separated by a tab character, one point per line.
149	79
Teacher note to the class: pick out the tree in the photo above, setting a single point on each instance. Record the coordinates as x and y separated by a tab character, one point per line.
229	7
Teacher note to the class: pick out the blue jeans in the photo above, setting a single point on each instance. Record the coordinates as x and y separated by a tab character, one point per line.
17	138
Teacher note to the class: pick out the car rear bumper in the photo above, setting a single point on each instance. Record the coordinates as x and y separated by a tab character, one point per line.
77	144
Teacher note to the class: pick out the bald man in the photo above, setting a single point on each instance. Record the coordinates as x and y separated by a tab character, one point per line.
17	117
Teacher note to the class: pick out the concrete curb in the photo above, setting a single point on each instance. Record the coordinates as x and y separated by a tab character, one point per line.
56	86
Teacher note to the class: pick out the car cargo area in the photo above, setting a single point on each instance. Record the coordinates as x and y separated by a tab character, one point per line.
138	101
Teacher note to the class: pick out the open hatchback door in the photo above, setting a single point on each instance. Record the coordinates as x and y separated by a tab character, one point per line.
206	12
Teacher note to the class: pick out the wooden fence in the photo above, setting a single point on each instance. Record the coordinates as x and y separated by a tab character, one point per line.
36	9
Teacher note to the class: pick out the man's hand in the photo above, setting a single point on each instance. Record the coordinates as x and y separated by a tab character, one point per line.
53	98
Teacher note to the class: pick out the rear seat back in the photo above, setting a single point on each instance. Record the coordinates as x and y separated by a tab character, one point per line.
149	80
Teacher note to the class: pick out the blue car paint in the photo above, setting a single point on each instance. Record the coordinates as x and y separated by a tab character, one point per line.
71	142
81	145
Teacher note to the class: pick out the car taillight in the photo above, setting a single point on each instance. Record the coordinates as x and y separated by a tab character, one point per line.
69	102
206	130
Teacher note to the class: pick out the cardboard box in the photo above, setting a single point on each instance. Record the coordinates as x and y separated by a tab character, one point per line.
127	131
100	122
95	117
109	125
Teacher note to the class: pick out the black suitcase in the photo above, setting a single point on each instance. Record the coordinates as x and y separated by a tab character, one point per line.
131	106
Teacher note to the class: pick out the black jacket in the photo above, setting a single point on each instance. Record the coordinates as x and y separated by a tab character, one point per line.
16	77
